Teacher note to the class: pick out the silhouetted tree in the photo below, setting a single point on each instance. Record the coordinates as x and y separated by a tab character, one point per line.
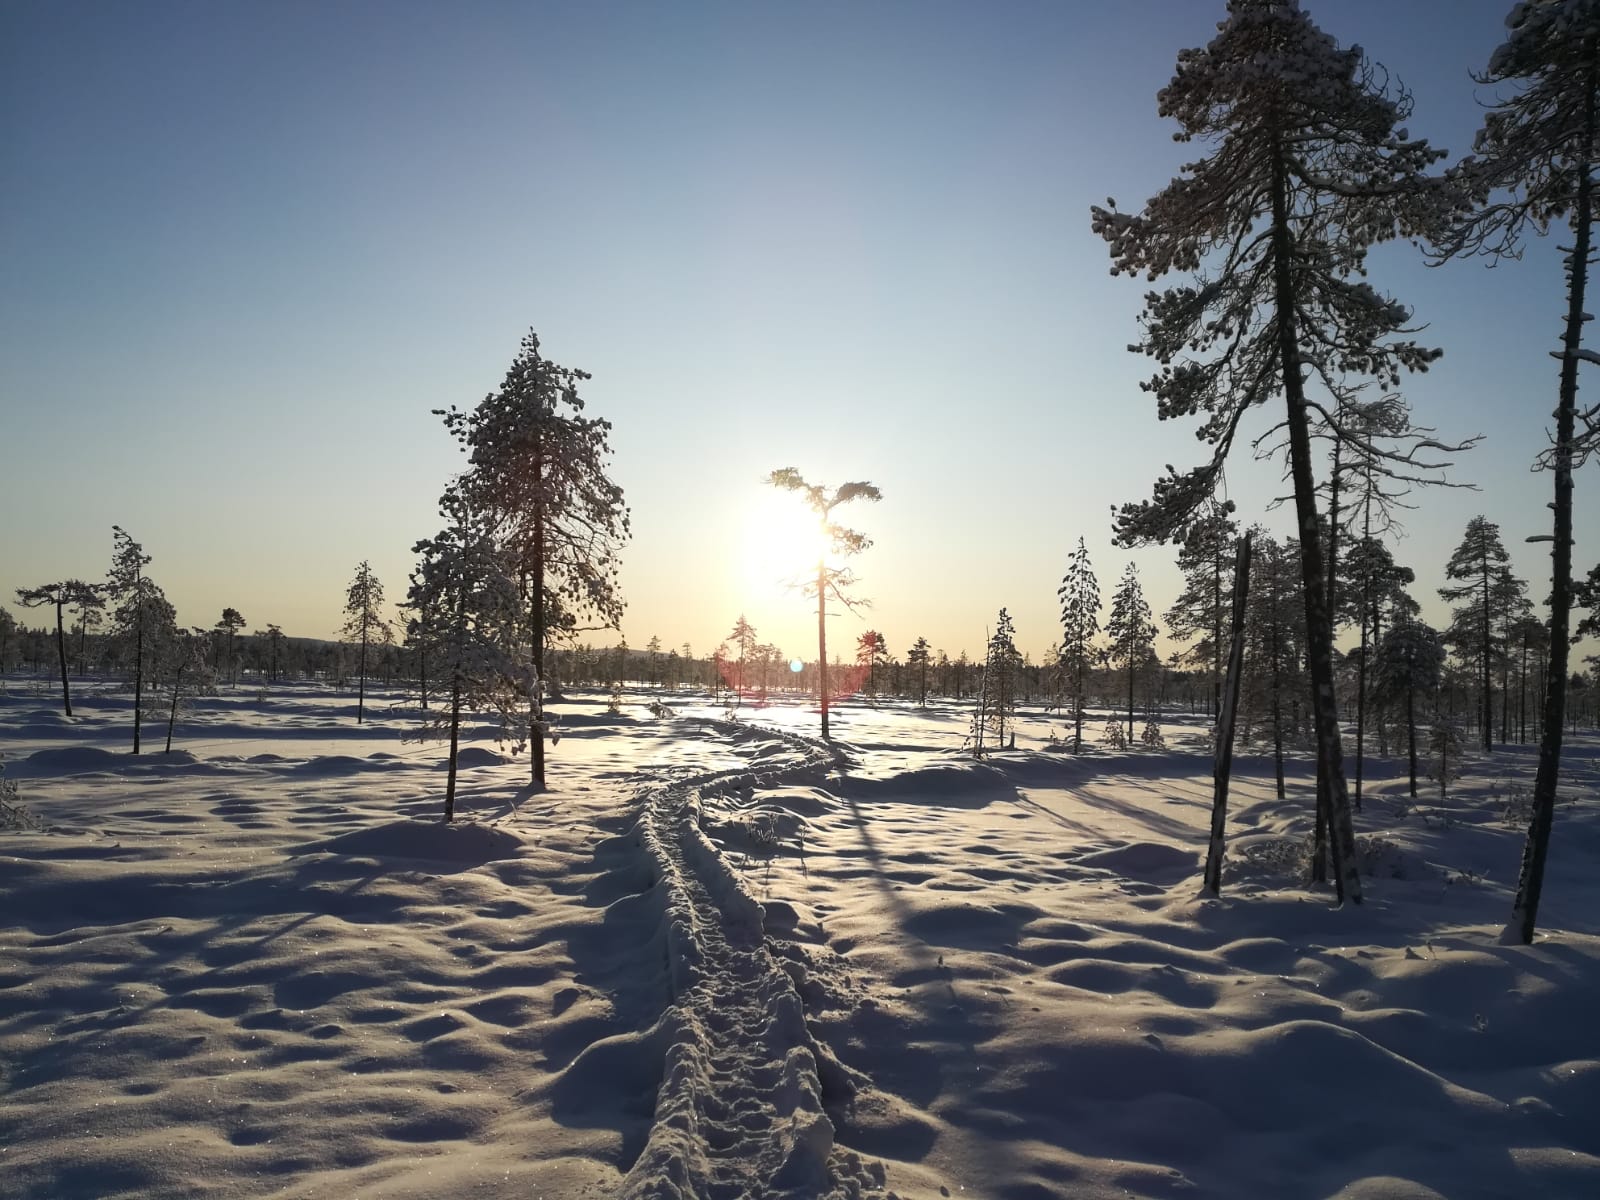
229	624
142	614
59	595
842	542
918	657
1409	661
364	623
1478	562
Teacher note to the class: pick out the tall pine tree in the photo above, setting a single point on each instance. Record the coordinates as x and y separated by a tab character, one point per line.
1534	166
1310	166
1132	632
1079	594
1478	564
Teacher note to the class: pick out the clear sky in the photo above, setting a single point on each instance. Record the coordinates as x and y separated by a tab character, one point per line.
248	247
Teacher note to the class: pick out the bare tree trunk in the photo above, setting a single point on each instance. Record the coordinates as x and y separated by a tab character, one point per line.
1525	909
1222	769
361	686
822	644
1411	733
536	708
172	717
455	743
1319	629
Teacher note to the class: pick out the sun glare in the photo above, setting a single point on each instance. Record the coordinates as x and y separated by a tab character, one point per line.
782	542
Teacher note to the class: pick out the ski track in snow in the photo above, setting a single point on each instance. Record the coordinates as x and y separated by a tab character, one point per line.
740	1109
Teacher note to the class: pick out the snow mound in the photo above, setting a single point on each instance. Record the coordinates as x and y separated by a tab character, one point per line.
457	842
74	759
1154	862
480	756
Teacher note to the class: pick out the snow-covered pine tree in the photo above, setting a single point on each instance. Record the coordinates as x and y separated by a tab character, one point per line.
994	712
1132	632
1477	563
364	624
184	668
842	542
142	619
59	595
1533	166
537	475
1310	167
1079	594
464	590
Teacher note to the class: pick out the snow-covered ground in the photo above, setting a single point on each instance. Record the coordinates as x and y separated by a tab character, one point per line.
717	959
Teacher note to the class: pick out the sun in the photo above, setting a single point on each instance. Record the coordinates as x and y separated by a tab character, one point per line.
781	543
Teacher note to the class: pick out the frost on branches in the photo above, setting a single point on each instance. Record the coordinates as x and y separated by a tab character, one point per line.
1310	165
470	612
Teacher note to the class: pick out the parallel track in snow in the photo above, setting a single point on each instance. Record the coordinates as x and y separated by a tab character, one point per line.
739	1112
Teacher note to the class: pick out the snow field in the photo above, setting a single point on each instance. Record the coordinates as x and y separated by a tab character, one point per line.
716	960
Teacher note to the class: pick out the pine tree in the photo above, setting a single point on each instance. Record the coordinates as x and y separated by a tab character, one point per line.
1276	634
1079	594
842	542
60	595
918	657
364	623
1534	166
537	476
995	711
229	624
464	592
1373	585
274	640
743	638
182	665
1408	665
142	616
1310	168
653	649
1131	630
90	603
871	649
8	631
1478	562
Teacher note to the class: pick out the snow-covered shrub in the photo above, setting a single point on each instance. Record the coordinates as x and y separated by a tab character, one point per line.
1379	858
1151	736
13	816
1115	736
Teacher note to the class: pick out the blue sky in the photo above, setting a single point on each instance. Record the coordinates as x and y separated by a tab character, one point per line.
248	248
